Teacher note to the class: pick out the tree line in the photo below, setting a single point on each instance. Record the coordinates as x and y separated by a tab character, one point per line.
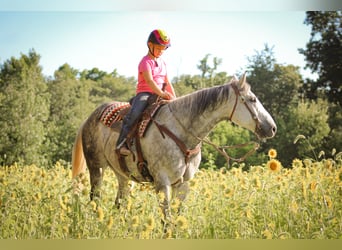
40	116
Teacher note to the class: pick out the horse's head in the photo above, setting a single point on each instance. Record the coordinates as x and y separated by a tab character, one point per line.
248	111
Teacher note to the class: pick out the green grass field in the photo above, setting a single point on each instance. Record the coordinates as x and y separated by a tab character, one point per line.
267	202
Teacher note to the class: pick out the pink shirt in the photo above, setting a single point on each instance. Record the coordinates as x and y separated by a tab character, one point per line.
158	70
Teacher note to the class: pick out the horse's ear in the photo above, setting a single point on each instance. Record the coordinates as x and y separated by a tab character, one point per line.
242	80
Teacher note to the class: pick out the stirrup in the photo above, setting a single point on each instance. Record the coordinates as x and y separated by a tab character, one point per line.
124	151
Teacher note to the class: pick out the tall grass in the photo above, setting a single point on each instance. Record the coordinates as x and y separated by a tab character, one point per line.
268	201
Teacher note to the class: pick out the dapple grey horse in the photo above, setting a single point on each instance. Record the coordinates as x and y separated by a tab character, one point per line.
190	118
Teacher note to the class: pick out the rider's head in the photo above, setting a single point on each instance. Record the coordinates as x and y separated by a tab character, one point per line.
158	41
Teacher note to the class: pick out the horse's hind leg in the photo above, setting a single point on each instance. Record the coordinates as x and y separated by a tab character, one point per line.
96	176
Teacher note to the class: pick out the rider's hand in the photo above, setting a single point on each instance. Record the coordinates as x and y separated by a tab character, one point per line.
166	96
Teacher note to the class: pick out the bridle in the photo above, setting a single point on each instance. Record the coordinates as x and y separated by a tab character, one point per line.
253	115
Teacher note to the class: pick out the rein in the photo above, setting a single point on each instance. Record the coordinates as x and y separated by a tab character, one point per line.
186	152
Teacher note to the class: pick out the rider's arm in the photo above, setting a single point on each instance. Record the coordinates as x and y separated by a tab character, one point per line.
152	84
171	89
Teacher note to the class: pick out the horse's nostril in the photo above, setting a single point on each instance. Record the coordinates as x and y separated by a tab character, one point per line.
274	130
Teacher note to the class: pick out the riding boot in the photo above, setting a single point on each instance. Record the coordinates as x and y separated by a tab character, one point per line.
138	105
121	143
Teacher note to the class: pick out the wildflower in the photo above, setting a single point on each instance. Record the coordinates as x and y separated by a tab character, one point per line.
272	153
161	196
296	163
328	164
327	201
313	186
85	192
208	195
307	163
257	182
135	221
223	186
168	234
248	214
150	224
304	190
267	234
274	165
175	203
65	229
110	222
228	192
65	199
129	204
193	183
37	197
100	214
62	216
294	207
181	222
61	203
93	205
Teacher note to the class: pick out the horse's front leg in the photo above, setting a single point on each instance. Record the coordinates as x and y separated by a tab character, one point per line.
180	191
123	191
164	193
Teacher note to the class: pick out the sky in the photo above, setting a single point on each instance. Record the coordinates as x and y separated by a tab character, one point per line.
116	38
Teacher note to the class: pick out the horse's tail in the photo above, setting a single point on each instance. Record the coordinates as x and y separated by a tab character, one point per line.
78	160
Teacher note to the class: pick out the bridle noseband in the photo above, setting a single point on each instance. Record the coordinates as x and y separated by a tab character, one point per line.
254	116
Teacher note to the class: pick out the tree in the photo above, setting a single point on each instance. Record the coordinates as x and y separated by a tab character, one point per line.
70	105
323	54
24	109
270	81
207	71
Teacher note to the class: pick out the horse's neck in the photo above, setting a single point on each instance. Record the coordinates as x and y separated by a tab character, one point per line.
200	125
190	126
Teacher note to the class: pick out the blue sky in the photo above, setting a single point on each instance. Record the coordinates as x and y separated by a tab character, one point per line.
116	39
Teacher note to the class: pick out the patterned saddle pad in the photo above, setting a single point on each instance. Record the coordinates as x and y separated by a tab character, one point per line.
114	112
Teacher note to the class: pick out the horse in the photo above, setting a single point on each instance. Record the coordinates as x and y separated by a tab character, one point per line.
190	118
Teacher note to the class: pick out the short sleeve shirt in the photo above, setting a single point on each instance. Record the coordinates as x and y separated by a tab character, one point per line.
157	69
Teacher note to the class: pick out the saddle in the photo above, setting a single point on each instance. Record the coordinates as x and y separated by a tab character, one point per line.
112	117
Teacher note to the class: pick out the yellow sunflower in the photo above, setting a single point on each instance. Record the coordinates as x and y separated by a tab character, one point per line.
181	222
296	163
274	165
272	153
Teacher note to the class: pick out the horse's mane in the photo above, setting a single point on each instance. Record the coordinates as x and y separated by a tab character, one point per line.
205	99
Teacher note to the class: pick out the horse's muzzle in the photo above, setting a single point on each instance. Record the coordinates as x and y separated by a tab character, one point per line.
266	131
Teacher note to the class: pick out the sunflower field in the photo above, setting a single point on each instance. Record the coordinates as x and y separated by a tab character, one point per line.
302	201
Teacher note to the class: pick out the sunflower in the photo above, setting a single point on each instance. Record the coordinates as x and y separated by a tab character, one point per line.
110	222
175	203
100	214
274	165
150	224
272	153
296	163
135	221
181	222
257	182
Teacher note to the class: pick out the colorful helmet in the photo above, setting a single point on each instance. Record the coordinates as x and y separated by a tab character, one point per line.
159	37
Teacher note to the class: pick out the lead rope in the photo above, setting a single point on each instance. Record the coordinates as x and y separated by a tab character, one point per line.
222	150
